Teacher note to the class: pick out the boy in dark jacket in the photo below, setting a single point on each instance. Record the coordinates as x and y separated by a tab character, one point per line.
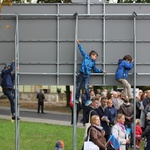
121	75
8	85
88	63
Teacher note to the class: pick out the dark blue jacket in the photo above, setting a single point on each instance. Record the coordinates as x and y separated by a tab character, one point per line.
123	69
104	124
87	63
113	114
7	77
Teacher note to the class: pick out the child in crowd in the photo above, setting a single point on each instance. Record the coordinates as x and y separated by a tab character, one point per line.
121	75
138	133
88	63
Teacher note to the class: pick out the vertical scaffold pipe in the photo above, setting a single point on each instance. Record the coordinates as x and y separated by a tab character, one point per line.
134	45
88	6
17	123
58	38
104	28
74	86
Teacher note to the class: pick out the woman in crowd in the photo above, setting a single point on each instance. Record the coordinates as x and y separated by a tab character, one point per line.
96	133
119	131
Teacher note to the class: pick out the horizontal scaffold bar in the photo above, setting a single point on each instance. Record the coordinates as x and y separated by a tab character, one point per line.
79	15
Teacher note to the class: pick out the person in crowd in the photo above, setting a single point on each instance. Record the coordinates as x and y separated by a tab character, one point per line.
109	95
119	131
116	101
113	112
84	108
71	107
119	95
106	91
40	96
121	75
127	110
138	107
96	133
105	117
142	116
138	133
7	84
140	92
147	111
98	91
92	94
147	99
92	108
88	63
146	134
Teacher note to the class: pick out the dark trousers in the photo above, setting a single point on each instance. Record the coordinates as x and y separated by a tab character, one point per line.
82	78
40	105
84	113
77	114
10	94
148	144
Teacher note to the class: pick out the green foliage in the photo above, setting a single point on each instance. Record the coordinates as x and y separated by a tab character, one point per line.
133	1
43	1
58	90
54	1
38	136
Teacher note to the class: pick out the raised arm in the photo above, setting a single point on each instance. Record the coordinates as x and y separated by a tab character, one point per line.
77	41
83	53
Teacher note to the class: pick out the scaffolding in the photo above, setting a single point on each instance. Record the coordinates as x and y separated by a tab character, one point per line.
60	75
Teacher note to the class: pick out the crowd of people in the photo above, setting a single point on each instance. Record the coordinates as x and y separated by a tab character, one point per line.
116	116
115	110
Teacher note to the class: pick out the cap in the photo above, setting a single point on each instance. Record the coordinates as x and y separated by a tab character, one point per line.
59	144
7	65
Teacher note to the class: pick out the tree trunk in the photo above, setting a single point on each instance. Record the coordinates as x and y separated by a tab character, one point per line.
67	94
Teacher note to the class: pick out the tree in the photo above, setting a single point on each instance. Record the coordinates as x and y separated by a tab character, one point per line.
54	1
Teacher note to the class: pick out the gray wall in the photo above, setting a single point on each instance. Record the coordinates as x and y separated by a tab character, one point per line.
47	35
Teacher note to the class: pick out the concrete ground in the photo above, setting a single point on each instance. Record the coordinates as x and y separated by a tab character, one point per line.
31	115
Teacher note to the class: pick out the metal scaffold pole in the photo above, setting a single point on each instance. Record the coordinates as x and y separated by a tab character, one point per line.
104	38
74	86
17	123
134	46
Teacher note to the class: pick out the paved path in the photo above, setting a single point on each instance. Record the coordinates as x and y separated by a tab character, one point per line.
31	115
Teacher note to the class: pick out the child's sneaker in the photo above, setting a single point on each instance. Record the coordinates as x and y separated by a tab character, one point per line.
137	147
77	101
88	102
14	118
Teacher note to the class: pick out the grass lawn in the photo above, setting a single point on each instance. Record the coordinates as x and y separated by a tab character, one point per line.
38	136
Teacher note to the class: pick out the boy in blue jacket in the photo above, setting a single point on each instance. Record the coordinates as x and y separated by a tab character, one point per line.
121	75
8	85
88	63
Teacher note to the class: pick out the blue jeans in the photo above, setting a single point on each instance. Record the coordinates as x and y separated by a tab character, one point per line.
10	94
131	127
83	78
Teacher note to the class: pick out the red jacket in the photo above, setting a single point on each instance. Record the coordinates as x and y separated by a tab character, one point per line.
71	100
138	130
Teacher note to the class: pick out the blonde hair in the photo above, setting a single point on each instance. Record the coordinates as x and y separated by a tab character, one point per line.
118	117
137	121
93	119
109	101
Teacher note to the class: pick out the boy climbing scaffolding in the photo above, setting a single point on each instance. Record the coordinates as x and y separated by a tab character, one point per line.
88	63
121	75
7	85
